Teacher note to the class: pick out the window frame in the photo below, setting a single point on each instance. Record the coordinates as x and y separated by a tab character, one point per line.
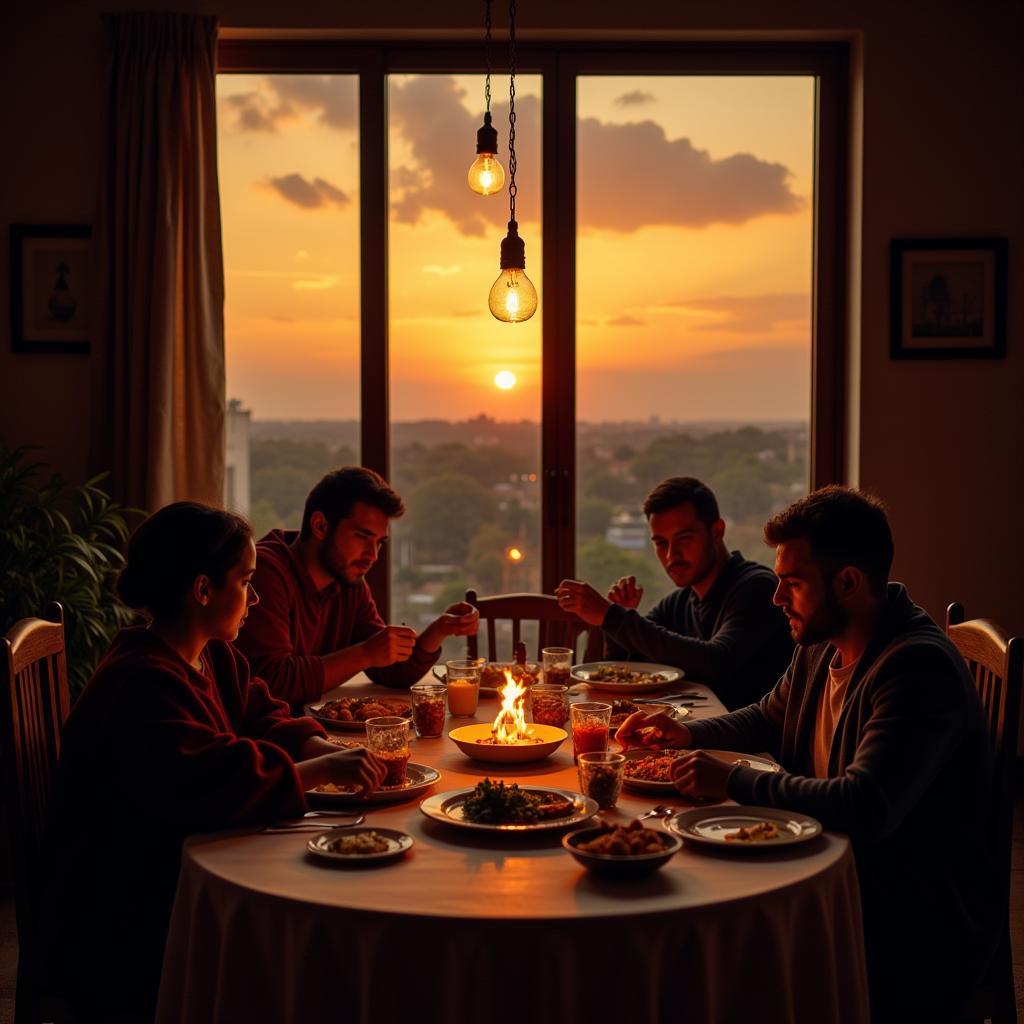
559	64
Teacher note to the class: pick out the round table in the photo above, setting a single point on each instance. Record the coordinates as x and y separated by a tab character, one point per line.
471	927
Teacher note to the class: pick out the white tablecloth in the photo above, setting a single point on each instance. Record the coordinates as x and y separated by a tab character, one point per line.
475	928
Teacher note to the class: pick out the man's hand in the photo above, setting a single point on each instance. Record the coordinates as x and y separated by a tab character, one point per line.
699	775
582	599
625	592
392	644
640	730
460	619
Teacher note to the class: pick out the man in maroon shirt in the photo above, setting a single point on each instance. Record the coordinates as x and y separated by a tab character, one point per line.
316	624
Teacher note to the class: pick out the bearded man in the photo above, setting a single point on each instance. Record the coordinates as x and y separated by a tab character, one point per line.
881	735
316	624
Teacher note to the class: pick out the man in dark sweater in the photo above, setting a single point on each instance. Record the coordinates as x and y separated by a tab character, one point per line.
316	624
879	728
719	627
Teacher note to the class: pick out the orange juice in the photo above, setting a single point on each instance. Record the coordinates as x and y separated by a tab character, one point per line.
463	695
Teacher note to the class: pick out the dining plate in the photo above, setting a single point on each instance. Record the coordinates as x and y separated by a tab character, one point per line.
328	845
313	711
418	779
649	708
666	675
712	825
762	764
491	673
468	739
448	807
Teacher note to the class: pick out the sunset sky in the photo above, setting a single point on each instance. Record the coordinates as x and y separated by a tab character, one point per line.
694	247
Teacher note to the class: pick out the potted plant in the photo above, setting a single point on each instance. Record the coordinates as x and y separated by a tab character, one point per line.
61	543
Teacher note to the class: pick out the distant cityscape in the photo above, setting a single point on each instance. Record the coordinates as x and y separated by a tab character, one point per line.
472	490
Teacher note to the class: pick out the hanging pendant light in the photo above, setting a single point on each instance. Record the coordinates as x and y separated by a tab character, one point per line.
486	176
512	298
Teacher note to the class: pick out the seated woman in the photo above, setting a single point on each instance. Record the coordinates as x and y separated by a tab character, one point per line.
170	737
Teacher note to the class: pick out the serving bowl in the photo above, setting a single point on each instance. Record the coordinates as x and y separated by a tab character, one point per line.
620	865
466	738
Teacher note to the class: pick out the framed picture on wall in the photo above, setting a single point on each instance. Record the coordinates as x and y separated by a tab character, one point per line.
947	298
51	287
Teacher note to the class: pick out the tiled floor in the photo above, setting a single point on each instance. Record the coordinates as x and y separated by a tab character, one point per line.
8	939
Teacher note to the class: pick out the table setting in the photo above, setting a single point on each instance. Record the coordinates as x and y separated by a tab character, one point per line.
492	837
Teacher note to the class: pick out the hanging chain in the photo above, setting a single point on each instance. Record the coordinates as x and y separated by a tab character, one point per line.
512	109
487	50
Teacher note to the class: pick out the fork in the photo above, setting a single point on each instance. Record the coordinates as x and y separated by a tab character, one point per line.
658	811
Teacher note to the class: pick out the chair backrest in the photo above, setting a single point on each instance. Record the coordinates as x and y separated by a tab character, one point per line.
35	704
996	661
555	627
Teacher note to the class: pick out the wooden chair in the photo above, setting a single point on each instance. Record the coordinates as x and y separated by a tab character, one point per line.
996	662
34	695
556	628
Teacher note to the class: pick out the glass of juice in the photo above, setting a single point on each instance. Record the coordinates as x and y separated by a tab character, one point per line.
388	738
557	665
463	687
428	708
590	722
550	704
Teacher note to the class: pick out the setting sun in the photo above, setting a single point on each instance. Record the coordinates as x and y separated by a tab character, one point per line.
505	379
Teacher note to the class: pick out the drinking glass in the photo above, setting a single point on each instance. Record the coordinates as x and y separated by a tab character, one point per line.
557	665
601	777
428	708
590	722
463	687
550	704
388	738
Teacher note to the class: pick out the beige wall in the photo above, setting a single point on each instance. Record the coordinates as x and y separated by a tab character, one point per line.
942	153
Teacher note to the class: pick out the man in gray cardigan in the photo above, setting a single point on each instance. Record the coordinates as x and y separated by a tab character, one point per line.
882	736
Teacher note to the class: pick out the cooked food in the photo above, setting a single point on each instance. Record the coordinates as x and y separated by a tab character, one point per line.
653	767
621	710
624	674
492	674
494	803
493	741
361	842
625	842
333	787
359	709
760	832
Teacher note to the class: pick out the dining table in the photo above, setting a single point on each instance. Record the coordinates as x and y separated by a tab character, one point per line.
472	926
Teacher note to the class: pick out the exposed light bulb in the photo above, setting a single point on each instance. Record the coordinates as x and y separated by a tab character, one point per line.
486	176
512	297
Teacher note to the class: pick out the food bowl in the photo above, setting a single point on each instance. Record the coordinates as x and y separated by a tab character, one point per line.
620	865
466	738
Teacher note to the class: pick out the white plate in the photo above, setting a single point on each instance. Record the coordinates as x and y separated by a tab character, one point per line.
312	710
762	764
709	826
418	779
447	807
325	845
647	785
669	675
